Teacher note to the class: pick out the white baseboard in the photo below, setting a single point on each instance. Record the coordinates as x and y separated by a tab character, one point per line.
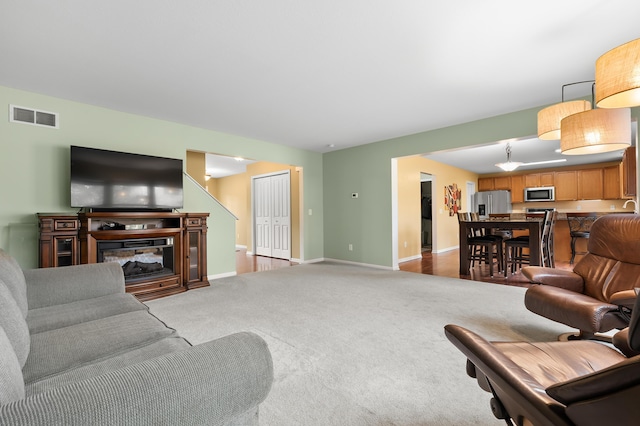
368	265
407	259
446	249
240	247
223	275
317	260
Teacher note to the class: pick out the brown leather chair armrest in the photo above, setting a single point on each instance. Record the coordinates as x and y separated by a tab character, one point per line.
555	277
621	341
526	395
601	383
626	298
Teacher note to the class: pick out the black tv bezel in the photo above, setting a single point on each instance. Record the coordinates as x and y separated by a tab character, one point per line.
131	156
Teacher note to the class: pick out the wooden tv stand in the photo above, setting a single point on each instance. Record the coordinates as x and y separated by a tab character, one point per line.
178	240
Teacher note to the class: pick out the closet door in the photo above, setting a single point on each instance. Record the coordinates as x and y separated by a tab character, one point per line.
262	216
272	215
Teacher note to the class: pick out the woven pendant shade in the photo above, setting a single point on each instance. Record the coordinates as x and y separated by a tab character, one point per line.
549	118
596	131
618	77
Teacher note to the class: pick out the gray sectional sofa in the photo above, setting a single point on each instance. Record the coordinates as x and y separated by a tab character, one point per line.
75	349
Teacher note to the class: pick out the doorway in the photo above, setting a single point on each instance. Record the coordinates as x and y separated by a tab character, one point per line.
426	211
272	215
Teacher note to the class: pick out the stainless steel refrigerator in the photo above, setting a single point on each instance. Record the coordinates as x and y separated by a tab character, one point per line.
487	202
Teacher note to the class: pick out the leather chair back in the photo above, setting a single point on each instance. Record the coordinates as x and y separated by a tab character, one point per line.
612	263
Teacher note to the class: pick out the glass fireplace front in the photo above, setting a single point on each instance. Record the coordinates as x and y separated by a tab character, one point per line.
140	258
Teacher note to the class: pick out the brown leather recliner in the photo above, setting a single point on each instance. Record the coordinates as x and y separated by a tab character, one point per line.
579	383
596	297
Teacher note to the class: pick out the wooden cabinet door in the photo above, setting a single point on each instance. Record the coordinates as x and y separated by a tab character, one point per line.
590	184
532	180
517	189
612	186
485	184
547	179
502	182
629	172
566	184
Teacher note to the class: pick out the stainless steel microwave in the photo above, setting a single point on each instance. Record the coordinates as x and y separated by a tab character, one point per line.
545	193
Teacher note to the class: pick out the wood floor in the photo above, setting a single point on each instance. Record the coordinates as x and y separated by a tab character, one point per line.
440	264
246	263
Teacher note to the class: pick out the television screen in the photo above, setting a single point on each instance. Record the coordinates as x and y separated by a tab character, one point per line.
111	180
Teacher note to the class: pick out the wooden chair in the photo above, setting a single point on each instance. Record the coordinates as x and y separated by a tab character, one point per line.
482	248
516	249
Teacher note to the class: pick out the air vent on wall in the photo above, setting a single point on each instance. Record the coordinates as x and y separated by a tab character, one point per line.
32	116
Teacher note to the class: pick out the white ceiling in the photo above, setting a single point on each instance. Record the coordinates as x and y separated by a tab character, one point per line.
308	73
218	166
482	159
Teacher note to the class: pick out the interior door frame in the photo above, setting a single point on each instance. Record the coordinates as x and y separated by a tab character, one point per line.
253	214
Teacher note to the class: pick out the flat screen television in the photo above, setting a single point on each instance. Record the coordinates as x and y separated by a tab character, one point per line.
104	180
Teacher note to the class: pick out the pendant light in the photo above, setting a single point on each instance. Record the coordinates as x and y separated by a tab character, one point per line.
596	131
549	118
618	77
509	165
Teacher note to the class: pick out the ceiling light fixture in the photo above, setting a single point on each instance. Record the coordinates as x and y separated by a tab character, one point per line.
537	163
549	118
509	165
618	77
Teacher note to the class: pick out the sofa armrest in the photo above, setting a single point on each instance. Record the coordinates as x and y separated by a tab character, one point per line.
554	277
210	384
56	286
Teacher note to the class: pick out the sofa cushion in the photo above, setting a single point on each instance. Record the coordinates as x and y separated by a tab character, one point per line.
135	356
58	316
11	382
14	324
59	350
13	277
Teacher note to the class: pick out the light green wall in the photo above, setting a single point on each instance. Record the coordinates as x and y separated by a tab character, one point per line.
366	222
34	169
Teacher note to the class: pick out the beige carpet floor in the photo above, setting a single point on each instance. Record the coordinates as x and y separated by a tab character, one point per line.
360	346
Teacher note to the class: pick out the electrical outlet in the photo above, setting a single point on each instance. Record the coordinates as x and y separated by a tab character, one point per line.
310	212
405	244
350	247
612	207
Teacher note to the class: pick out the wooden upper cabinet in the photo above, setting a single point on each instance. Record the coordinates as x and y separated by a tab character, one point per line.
502	182
535	180
590	184
566	184
517	188
612	187
532	180
547	179
629	172
486	184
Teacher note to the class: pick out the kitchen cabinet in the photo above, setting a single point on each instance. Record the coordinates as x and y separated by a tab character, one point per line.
535	180
494	183
502	182
486	184
612	186
629	172
517	188
590	184
566	183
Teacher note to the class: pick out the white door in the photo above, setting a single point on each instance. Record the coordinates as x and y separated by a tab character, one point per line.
262	216
272	215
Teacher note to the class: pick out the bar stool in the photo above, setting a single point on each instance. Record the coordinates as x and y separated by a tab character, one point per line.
579	227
